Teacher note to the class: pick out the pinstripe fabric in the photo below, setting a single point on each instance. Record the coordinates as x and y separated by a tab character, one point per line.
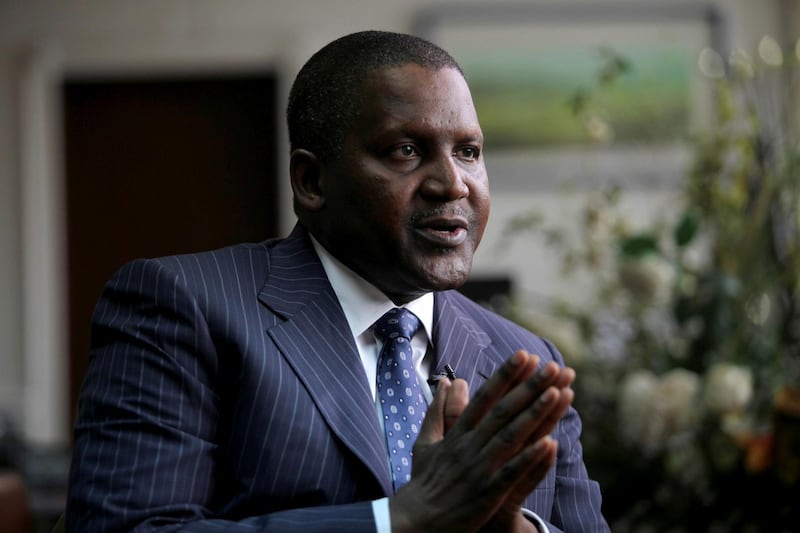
222	395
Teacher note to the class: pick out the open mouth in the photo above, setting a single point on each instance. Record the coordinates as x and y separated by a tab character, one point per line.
443	232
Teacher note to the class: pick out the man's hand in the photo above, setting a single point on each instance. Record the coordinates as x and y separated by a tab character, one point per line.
509	516
474	462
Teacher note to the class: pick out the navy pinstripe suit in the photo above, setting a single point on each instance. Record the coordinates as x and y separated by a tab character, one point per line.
225	392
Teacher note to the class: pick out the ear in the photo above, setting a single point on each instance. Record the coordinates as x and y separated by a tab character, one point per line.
305	171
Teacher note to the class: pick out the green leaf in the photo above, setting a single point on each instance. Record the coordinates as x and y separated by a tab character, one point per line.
687	227
578	102
639	245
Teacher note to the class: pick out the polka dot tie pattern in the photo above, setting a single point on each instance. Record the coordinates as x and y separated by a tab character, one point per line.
399	392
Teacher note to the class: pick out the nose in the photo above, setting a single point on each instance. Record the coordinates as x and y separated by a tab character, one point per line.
445	179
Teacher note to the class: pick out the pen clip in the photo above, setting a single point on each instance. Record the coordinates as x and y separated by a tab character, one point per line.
448	373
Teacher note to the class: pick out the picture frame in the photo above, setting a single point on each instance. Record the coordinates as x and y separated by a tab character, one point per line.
529	65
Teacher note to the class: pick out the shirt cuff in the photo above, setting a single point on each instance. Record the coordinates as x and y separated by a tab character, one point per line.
538	522
380	510
383	522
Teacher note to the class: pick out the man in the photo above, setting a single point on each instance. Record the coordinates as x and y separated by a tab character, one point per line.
242	389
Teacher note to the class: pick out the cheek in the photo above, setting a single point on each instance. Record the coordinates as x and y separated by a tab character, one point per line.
482	206
383	217
392	206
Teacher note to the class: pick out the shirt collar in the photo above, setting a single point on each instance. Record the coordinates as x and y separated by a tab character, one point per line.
362	302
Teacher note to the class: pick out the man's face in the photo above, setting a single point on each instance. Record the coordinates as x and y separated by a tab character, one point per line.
407	202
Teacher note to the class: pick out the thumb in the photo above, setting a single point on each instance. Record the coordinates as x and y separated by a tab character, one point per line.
432	429
456	401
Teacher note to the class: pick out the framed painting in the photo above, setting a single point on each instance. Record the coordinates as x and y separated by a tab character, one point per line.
561	87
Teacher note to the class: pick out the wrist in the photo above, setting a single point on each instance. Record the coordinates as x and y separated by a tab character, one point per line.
401	520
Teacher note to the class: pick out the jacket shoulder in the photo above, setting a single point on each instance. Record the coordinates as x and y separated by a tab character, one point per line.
201	271
506	336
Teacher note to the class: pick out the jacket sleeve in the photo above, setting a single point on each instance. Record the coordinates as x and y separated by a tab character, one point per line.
577	501
146	432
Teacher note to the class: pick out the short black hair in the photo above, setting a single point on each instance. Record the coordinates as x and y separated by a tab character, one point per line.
324	99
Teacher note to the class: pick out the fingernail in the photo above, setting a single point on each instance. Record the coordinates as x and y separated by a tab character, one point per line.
547	396
547	371
541	443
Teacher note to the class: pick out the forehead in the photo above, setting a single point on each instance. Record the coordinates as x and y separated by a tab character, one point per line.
413	93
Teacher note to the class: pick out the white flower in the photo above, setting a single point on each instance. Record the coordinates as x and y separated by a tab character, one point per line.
711	64
728	387
635	405
677	399
742	63
598	130
770	51
653	410
648	279
567	336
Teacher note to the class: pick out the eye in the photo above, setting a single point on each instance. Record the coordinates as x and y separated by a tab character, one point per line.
468	153
404	151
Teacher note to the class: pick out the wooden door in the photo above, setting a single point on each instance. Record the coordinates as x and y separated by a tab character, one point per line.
161	166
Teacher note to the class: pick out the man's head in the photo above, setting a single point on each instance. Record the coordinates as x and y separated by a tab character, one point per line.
325	97
391	180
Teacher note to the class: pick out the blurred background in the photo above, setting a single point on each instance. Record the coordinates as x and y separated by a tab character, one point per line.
643	165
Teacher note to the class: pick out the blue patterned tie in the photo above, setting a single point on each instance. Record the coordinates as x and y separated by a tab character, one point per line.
399	392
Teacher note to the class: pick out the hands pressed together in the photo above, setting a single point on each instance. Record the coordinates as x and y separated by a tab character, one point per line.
476	461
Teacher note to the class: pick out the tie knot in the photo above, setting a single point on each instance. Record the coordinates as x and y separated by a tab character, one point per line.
397	322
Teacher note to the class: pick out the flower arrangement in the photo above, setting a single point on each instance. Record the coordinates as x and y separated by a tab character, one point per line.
688	354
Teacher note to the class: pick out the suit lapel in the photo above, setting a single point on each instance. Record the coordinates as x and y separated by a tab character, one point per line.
461	343
315	340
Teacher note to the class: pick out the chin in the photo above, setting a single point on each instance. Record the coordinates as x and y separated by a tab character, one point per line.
448	277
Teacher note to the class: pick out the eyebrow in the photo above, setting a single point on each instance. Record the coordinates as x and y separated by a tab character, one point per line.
407	129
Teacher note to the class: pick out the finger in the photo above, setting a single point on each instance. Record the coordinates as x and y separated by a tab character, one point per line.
524	397
532	424
550	419
543	456
457	400
538	422
551	373
433	426
529	425
516	369
539	458
565	378
523	472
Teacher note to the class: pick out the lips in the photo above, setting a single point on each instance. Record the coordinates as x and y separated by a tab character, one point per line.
447	232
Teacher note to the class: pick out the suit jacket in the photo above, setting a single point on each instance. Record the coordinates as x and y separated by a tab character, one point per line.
225	392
